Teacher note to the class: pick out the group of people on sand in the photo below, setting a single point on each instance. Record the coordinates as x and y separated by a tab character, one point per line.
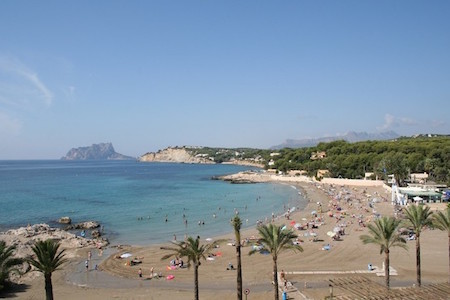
88	261
153	274
346	206
177	262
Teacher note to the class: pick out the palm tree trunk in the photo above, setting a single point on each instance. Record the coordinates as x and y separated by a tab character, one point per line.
419	279
386	268
239	270
196	281
449	257
48	286
275	277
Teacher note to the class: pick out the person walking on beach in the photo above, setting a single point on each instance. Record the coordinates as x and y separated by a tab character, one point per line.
283	278
140	273
86	264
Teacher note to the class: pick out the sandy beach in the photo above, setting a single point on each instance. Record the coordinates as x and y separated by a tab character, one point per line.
347	207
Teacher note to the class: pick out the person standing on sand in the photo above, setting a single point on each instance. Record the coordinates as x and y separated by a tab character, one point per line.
283	278
86	264
140	273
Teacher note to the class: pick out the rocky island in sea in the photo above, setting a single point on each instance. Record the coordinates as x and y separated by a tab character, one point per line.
102	151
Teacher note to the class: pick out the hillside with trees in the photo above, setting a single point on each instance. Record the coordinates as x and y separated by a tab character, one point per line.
352	160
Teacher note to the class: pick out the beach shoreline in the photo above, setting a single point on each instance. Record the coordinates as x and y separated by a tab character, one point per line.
216	280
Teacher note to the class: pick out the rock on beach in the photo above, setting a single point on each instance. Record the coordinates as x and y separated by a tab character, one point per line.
25	237
84	225
64	220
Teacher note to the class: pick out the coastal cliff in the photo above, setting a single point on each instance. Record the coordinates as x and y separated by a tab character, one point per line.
102	151
176	155
204	155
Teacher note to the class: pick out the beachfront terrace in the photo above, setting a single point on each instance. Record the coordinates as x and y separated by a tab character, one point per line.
421	195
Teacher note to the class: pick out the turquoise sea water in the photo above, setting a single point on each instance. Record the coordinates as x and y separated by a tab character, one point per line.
132	200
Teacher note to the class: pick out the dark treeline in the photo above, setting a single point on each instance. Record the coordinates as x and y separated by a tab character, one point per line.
351	160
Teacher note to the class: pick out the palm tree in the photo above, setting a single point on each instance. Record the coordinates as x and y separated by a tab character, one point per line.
237	223
8	264
193	251
384	233
418	216
275	239
441	220
47	261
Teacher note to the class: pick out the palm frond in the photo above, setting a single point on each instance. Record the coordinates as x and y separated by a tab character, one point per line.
47	258
274	240
418	217
383	232
441	220
8	263
191	249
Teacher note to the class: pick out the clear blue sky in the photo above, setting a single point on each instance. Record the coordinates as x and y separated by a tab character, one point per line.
145	75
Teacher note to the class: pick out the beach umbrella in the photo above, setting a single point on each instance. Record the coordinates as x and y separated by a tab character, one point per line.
292	223
297	225
331	233
314	212
336	229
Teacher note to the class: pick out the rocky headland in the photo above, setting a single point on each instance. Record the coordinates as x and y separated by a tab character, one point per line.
199	155
102	151
176	155
25	237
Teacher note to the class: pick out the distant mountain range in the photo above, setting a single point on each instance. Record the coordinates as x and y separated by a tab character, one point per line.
102	151
350	136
